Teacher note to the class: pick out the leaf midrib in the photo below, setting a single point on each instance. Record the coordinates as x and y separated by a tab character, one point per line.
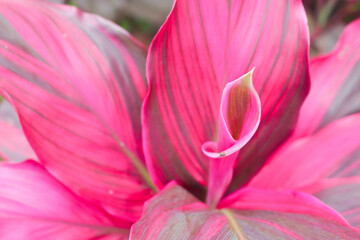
233	224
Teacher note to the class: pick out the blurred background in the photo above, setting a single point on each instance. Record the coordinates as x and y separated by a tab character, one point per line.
142	18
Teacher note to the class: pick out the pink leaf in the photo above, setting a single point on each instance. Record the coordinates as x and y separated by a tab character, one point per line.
335	84
240	111
34	206
203	46
334	151
342	194
77	82
13	145
248	214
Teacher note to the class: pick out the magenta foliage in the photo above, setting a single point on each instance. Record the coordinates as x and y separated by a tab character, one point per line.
222	141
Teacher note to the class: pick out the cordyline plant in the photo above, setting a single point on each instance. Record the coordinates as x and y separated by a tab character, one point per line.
217	143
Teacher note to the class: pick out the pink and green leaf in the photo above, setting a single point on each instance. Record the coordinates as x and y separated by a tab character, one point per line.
34	205
334	86
77	82
247	214
342	194
334	152
203	46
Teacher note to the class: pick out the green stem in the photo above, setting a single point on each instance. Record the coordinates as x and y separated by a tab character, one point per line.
138	165
233	224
